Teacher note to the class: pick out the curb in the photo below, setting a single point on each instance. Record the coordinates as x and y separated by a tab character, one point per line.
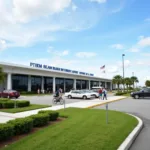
132	136
106	102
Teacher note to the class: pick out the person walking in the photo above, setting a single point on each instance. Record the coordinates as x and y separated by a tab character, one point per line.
100	94
104	94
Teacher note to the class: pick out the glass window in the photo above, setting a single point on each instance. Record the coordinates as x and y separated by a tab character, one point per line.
36	82
19	82
78	85
68	84
48	84
59	83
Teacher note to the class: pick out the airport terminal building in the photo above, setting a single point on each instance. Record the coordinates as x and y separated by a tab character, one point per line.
48	78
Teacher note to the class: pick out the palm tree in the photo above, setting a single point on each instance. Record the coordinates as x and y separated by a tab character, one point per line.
147	83
2	75
117	80
134	79
127	82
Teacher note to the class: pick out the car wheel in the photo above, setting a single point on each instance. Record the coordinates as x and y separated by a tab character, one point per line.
95	96
84	97
69	96
136	96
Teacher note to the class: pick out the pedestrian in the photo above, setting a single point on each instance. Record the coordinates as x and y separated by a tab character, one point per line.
100	94
104	94
38	91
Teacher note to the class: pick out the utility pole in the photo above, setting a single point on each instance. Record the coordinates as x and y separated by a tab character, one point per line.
123	68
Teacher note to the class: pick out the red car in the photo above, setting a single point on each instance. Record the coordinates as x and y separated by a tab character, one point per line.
9	94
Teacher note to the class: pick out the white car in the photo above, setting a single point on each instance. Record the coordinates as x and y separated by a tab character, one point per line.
77	94
93	94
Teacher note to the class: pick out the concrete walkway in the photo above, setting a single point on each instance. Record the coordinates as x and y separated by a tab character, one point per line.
4	117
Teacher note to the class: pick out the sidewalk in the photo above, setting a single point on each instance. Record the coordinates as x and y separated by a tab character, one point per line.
4	117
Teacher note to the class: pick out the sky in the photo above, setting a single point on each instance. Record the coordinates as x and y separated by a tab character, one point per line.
78	34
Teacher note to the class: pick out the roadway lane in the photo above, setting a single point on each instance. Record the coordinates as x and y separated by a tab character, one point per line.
138	107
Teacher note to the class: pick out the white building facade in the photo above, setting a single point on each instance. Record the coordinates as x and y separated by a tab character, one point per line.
31	78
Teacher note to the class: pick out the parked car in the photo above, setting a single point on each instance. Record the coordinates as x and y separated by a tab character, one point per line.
142	93
9	94
77	94
96	88
93	94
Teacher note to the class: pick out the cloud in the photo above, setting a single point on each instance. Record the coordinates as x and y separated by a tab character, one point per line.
117	46
54	52
74	7
127	63
134	50
99	1
145	54
65	52
2	44
147	19
32	9
85	54
38	20
144	42
113	69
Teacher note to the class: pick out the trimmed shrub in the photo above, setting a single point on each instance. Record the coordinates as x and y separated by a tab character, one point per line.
25	92
6	131
8	104
22	125
23	103
4	99
53	115
40	119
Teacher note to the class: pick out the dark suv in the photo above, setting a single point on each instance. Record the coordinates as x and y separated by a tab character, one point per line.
142	93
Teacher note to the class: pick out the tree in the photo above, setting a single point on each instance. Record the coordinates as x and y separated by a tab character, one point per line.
134	79
2	75
147	83
128	82
117	80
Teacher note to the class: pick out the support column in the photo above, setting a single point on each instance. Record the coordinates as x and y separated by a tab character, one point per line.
42	85
105	84
64	86
54	85
100	83
29	83
9	81
111	86
89	84
74	84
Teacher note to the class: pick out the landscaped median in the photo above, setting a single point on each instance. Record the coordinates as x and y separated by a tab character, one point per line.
84	129
11	106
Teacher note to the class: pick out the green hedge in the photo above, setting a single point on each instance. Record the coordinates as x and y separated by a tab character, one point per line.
6	131
24	92
40	119
22	125
53	115
23	103
8	104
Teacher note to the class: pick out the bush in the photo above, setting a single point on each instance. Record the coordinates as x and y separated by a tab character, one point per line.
121	93
8	104
40	119
24	92
23	103
22	125
53	115
6	131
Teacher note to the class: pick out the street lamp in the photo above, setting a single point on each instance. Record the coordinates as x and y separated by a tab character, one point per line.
123	67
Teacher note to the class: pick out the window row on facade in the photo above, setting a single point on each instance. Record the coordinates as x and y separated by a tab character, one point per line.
50	84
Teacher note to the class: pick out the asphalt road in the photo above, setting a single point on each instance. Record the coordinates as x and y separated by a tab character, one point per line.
140	108
46	100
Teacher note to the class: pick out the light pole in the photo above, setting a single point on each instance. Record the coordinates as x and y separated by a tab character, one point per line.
123	68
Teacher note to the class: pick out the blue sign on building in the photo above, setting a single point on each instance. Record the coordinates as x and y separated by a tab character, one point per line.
36	65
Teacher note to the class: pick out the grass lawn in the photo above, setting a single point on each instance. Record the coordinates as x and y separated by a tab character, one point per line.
31	107
84	129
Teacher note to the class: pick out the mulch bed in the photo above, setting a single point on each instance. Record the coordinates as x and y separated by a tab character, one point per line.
18	137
